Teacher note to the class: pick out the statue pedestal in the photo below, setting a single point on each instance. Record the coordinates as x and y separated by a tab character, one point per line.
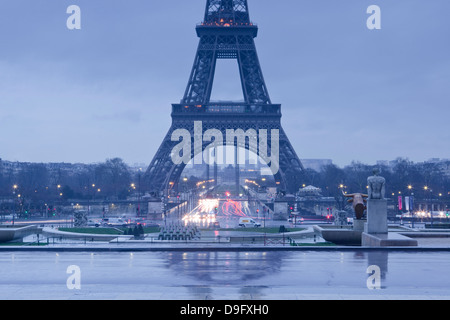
358	225
376	217
376	229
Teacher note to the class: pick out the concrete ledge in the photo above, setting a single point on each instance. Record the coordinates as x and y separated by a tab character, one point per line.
49	232
387	240
11	234
224	248
346	237
426	234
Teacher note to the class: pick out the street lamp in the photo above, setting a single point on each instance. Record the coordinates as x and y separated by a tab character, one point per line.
15	187
427	198
411	209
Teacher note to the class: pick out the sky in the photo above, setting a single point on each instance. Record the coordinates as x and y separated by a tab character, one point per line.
347	93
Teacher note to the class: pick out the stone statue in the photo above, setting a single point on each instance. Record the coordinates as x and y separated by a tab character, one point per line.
377	186
80	219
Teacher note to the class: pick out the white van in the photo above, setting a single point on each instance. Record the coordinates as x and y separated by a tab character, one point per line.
248	223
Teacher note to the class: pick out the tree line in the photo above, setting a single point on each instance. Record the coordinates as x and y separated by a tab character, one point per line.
115	180
405	178
111	179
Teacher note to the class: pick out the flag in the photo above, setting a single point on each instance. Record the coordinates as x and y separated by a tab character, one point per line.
400	203
407	203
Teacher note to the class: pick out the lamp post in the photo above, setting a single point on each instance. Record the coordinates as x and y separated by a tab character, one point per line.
428	201
410	187
341	204
139	192
15	187
431	205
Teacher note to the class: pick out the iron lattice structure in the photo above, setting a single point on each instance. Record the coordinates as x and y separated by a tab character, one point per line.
225	33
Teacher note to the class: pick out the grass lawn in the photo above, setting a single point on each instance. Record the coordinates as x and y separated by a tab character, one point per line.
107	231
112	231
22	244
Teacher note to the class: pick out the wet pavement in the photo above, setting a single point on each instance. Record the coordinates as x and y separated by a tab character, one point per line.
235	275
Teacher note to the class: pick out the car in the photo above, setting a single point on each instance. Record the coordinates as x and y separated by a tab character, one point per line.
248	223
94	223
114	222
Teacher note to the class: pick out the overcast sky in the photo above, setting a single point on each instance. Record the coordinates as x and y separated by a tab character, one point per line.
347	92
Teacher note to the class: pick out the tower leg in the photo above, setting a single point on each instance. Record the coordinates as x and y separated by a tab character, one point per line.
236	163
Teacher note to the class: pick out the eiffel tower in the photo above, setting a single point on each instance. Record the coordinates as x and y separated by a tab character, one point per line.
225	33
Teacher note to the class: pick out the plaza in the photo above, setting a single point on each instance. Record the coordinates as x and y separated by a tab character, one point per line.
225	275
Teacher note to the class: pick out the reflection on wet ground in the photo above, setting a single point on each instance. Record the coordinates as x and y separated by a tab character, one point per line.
272	275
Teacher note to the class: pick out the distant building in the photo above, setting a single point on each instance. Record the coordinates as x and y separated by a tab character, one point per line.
312	202
310	191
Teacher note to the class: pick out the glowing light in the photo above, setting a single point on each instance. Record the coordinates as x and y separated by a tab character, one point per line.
231	207
208	205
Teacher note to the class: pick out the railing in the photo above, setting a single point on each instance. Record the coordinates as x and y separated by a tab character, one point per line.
269	109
